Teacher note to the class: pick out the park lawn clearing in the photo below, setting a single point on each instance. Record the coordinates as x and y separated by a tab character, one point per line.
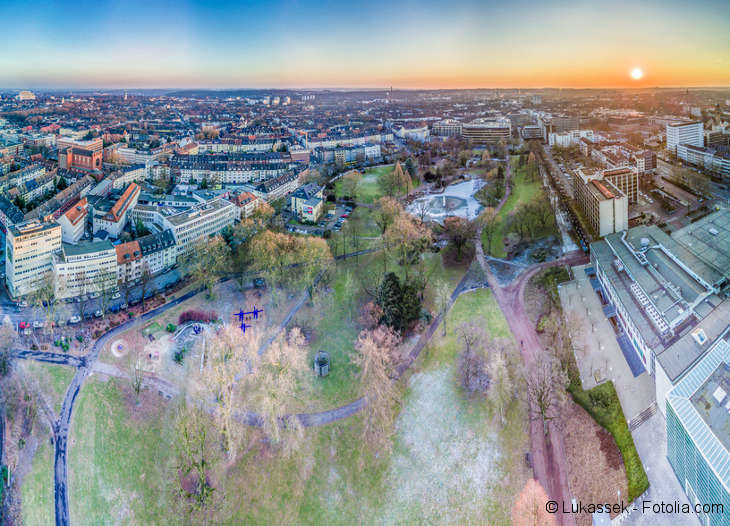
37	489
119	468
50	380
522	192
152	328
453	462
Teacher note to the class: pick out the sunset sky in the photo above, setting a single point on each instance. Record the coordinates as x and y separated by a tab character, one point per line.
425	44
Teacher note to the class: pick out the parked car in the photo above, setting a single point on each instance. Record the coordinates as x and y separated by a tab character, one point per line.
74	319
37	324
94	295
116	296
123	306
68	300
98	314
23	325
23	304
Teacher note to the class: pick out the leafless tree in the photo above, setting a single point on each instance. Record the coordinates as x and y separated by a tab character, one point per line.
145	280
545	382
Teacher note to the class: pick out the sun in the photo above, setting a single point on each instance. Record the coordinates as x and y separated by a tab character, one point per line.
636	73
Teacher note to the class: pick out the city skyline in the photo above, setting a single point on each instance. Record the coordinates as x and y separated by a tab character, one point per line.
407	45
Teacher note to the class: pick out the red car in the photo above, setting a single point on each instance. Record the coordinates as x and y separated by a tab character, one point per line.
24	325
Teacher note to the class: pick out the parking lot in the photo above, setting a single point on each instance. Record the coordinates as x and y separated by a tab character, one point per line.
332	222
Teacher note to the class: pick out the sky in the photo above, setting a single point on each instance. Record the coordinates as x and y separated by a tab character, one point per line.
352	44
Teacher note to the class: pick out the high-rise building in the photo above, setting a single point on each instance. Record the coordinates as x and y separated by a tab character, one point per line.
690	133
698	441
84	268
29	249
605	206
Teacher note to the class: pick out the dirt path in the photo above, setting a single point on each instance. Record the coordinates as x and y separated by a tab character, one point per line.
548	452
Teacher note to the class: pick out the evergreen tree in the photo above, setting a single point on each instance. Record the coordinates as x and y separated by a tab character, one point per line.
389	299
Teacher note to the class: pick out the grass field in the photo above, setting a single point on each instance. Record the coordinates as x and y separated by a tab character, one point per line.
50	380
523	191
369	189
37	489
451	462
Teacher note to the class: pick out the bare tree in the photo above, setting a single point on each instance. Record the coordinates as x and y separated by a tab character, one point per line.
545	382
8	338
529	508
136	369
195	458
84	283
422	207
104	282
375	369
442	298
230	354
44	298
209	259
145	279
279	380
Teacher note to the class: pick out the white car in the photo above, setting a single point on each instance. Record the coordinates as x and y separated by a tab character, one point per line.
74	319
98	314
116	296
94	295
37	324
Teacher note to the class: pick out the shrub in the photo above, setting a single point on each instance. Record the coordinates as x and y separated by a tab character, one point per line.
171	327
197	315
80	338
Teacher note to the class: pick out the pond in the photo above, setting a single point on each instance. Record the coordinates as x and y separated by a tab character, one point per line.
456	200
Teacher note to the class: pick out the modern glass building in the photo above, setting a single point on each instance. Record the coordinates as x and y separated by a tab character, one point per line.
698	435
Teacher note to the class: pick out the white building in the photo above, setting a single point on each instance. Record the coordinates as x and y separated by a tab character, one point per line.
569	138
73	222
29	249
84	268
204	220
691	133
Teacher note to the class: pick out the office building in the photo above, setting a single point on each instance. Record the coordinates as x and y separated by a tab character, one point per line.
110	214
29	249
199	223
487	130
604	206
84	269
446	128
698	435
666	294
691	133
713	160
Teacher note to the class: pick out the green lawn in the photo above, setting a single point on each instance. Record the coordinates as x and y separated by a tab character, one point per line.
52	380
118	468
522	192
448	462
37	489
369	189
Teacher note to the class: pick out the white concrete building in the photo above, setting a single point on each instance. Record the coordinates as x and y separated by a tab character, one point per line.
691	133
84	269
29	249
73	222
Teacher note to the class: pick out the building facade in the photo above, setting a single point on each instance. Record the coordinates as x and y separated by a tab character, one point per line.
691	133
29	249
84	269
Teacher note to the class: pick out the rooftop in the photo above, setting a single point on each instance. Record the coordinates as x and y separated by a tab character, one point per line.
709	240
702	405
83	249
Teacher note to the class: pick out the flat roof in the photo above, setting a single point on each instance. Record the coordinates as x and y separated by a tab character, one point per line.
709	240
86	248
693	401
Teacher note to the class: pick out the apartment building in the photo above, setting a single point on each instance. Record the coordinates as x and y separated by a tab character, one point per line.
194	225
9	213
625	179
691	133
569	138
159	252
247	202
135	173
307	202
22	176
29	249
73	222
84	268
605	207
129	262
231	168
